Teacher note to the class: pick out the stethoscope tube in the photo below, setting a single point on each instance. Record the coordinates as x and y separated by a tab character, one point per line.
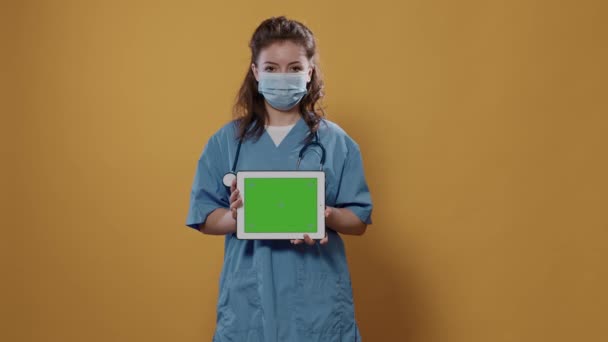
236	157
316	142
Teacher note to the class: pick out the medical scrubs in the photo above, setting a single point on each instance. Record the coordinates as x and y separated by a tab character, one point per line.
271	290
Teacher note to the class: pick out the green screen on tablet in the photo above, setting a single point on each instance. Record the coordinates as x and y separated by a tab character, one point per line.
281	205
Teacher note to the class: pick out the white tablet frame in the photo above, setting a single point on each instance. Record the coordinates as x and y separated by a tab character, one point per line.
240	184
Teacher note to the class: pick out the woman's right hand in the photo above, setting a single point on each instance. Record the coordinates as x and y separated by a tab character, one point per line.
235	198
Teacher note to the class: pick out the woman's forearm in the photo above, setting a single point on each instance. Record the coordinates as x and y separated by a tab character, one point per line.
344	221
219	222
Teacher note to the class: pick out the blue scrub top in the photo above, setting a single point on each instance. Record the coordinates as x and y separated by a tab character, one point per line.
271	290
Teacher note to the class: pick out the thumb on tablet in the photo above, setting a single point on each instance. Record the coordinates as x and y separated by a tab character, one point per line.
233	185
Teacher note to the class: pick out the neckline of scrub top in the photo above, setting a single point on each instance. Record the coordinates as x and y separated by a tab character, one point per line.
278	133
289	135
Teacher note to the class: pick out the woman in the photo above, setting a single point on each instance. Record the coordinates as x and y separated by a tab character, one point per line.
279	290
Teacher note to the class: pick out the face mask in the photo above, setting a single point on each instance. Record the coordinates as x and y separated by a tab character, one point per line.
282	90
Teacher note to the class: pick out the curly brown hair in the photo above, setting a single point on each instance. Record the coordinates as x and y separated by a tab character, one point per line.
249	105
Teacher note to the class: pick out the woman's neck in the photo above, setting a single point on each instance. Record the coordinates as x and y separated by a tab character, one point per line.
280	118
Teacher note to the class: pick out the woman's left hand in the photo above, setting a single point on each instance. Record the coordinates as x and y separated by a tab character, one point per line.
311	241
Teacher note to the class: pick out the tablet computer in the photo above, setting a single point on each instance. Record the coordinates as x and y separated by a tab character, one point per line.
281	204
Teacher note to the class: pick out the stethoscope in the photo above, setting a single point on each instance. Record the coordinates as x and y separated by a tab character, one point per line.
231	175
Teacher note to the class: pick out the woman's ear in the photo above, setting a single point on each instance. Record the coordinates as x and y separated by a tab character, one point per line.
310	72
254	69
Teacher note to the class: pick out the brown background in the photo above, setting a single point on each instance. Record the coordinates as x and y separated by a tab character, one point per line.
482	126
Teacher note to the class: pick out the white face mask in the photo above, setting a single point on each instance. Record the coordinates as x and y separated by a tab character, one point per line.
282	90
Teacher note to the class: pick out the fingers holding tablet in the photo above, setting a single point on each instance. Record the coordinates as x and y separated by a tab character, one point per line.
235	199
308	240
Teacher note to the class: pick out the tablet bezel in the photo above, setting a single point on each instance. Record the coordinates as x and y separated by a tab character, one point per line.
240	184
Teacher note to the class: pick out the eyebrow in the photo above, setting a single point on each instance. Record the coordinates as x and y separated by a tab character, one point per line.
278	64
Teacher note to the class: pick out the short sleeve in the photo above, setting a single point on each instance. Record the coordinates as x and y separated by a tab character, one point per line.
208	191
353	192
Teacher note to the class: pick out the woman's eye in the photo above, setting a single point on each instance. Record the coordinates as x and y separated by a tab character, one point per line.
297	69
268	69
